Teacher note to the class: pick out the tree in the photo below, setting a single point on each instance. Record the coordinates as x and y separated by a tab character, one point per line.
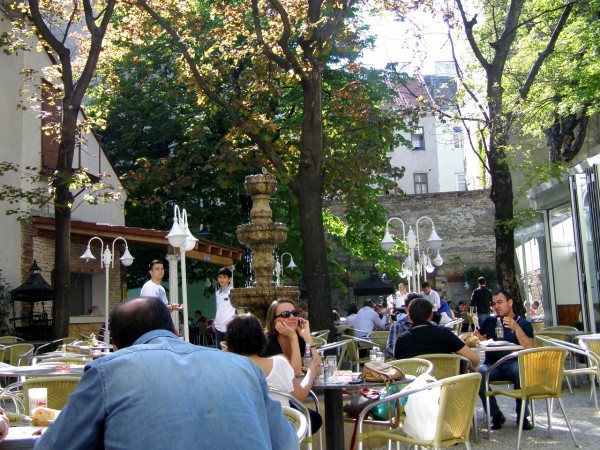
495	45
265	68
59	25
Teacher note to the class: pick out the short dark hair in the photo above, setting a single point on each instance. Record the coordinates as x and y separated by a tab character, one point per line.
368	302
225	271
420	311
245	335
153	263
130	320
352	308
410	297
481	280
425	284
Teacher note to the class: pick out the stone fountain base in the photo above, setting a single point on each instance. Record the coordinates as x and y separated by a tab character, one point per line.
257	299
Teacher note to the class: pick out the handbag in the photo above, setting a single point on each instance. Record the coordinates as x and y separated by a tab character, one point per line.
360	399
381	372
422	409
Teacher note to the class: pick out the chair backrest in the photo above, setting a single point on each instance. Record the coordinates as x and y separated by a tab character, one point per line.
591	342
321	334
300	406
475	321
558	328
455	325
9	339
560	335
319	341
444	364
297	419
413	366
2	352
17	350
541	371
380	338
59	389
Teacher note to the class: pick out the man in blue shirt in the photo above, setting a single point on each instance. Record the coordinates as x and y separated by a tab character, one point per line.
158	392
516	330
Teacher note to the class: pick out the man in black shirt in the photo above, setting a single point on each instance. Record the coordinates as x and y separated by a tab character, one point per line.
481	300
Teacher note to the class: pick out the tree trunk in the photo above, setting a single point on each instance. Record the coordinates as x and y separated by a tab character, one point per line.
308	186
62	217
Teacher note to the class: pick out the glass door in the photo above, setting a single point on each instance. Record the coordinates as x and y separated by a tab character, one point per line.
586	205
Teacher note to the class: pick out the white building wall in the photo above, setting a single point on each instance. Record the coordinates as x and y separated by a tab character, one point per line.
20	143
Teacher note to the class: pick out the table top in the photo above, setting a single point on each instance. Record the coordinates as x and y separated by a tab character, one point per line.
41	370
318	385
498	346
20	438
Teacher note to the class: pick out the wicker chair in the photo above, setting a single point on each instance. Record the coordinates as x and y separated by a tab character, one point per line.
15	351
10	339
444	364
591	369
558	328
321	334
297	419
591	342
351	349
59	389
413	366
318	341
308	438
540	371
380	338
458	398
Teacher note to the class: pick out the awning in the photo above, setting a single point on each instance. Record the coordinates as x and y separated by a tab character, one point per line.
81	232
373	285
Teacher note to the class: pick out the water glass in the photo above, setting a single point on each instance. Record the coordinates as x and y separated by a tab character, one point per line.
330	364
37	397
380	357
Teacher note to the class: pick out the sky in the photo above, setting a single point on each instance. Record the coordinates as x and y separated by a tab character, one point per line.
396	42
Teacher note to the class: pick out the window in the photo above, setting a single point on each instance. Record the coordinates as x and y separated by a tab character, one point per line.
421	183
458	138
461	183
418	139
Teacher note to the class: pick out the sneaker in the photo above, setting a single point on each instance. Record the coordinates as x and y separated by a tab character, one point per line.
497	420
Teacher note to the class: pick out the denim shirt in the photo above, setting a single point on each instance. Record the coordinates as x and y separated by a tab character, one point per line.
164	393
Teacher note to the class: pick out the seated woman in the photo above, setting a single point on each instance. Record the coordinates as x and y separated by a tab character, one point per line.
245	336
287	334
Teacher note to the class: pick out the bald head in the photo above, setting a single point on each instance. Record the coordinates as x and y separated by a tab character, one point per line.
134	318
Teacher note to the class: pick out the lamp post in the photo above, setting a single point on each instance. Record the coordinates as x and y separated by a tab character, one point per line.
180	237
417	262
107	262
279	267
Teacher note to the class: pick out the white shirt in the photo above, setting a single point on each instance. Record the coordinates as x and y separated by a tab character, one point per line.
280	377
434	299
395	301
225	312
151	289
368	320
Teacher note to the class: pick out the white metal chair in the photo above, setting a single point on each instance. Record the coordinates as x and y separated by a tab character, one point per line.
308	438
297	419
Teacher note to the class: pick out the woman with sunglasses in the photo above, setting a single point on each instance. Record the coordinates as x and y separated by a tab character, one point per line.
245	336
287	334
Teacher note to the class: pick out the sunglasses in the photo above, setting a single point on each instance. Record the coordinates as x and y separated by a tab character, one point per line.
287	314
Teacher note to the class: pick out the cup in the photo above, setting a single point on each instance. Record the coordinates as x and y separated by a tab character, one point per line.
380	357
37	397
330	365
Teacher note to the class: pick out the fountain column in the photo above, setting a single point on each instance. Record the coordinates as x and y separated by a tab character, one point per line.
261	235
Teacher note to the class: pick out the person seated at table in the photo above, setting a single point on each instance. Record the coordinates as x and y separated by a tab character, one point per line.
424	338
287	334
200	318
158	392
303	309
245	336
536	311
4	425
369	319
401	325
444	312
516	330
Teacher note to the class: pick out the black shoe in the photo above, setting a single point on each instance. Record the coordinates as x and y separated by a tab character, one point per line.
526	424
497	420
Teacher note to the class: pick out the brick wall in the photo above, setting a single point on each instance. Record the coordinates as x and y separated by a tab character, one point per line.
464	220
40	247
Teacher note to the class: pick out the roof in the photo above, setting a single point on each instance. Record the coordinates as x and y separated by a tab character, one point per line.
35	289
374	285
205	250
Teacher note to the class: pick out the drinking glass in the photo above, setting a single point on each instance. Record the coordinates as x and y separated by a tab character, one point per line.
380	357
330	364
37	397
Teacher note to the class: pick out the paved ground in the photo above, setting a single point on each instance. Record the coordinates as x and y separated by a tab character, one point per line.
584	419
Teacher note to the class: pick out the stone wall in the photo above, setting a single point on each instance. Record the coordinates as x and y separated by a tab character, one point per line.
464	220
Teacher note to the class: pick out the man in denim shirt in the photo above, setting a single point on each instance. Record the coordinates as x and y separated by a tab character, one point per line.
158	392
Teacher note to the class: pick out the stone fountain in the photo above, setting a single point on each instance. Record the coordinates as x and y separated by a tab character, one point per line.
261	235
